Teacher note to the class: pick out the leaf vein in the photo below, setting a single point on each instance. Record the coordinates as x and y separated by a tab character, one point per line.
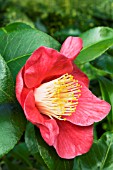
103	161
6	94
16	58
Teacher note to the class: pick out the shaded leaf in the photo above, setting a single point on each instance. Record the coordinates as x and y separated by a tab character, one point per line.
106	87
104	62
21	152
12	125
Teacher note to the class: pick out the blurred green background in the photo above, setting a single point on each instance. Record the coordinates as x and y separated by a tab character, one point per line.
59	18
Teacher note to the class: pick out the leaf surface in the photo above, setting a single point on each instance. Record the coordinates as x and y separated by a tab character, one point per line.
96	41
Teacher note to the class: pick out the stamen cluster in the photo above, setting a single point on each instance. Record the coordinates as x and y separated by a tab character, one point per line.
58	97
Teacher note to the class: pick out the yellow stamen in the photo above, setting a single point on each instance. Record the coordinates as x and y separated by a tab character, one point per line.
58	97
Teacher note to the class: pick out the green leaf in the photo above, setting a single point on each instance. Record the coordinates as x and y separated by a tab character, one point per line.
91	71
21	152
6	83
96	42
100	156
106	87
104	62
16	27
36	144
12	121
12	125
10	165
2	31
31	142
19	41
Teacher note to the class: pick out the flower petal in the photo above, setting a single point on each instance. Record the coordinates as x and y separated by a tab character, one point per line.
49	131
71	47
48	127
44	63
73	140
21	90
79	75
19	85
90	109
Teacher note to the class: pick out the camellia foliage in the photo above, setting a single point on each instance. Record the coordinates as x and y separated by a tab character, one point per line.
20	139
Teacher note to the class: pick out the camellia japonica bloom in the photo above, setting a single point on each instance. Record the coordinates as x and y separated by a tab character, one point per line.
55	97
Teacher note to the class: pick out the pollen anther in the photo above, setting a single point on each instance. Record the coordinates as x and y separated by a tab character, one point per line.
58	98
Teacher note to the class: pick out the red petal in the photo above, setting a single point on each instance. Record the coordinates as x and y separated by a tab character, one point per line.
44	63
19	85
21	90
48	127
71	47
49	131
79	75
90	109
73	140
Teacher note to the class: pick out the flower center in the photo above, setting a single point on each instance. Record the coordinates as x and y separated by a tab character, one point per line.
58	97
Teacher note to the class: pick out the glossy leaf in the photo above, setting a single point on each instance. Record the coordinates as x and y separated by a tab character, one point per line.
19	41
6	83
96	41
16	26
104	62
106	87
100	156
12	121
12	125
36	144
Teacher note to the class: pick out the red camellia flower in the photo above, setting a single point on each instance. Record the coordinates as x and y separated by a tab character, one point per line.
55	97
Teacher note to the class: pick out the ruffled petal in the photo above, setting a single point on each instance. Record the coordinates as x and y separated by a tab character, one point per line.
48	127
49	131
44	63
19	85
73	140
71	47
79	75
21	90
90	109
